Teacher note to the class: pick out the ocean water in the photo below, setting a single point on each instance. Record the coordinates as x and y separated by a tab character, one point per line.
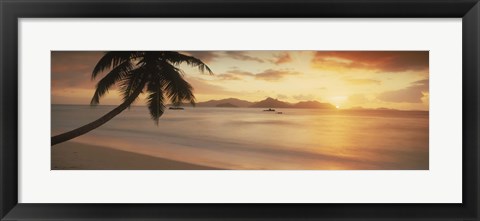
249	138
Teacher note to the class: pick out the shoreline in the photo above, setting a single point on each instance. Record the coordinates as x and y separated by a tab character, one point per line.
78	156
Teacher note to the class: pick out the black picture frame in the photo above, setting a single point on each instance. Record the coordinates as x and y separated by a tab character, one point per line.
12	10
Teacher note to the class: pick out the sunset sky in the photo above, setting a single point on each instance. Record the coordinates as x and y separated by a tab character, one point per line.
390	79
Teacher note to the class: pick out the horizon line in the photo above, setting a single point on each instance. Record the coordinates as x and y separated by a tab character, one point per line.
352	108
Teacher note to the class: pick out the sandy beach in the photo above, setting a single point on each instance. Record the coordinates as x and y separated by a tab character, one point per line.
244	139
78	156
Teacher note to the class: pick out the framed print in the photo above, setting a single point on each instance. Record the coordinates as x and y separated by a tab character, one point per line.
240	133
321	110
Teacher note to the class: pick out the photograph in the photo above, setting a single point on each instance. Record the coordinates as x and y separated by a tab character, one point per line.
240	110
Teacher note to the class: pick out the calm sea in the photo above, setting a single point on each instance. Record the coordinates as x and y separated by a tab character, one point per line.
249	138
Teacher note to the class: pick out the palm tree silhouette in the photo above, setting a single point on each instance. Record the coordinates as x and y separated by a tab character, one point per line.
136	71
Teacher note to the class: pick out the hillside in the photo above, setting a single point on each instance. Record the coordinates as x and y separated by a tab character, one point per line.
271	103
267	103
226	105
233	101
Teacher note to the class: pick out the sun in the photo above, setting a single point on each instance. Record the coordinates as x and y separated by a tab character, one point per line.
338	107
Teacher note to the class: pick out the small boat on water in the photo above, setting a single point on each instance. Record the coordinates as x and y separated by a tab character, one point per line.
176	108
279	112
269	109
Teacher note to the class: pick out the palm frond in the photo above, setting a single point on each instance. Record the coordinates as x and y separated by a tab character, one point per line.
177	58
175	87
115	75
155	100
112	59
131	82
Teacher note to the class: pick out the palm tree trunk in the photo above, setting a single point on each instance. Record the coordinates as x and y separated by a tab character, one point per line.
99	122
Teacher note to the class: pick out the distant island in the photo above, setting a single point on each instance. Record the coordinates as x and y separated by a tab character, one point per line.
229	101
271	103
267	103
275	103
226	105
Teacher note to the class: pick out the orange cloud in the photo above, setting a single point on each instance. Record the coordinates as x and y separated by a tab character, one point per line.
240	73
234	75
381	61
228	77
282	58
267	75
209	56
274	75
241	55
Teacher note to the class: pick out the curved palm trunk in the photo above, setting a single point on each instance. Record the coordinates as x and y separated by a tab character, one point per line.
102	120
